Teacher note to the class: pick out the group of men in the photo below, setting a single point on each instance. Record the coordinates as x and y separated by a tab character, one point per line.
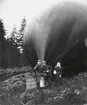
50	74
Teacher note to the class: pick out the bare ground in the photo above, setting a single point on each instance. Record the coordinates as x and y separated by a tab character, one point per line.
68	90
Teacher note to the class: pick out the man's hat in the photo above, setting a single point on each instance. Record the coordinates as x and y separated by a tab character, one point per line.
39	61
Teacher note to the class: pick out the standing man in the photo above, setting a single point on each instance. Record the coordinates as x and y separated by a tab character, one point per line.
57	72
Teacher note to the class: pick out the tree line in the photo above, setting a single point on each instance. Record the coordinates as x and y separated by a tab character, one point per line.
11	47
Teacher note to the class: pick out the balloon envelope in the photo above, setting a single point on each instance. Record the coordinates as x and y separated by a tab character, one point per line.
65	35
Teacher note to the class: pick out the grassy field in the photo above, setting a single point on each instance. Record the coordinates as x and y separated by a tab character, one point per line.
12	91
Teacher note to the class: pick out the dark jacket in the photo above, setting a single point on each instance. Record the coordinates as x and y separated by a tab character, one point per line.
44	68
58	70
37	69
49	71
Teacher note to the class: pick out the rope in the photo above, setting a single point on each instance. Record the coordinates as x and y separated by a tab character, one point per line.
64	52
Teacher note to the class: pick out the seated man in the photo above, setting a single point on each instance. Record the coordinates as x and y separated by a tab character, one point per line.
38	66
47	70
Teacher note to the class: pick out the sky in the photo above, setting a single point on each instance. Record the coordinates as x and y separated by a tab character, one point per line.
13	11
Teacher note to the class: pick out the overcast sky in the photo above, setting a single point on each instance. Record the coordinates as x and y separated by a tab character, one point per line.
12	11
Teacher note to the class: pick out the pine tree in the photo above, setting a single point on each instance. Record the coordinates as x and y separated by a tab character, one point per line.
20	40
13	37
2	29
23	25
2	47
21	35
17	38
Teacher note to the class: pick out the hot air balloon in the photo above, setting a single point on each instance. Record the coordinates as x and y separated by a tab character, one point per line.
61	33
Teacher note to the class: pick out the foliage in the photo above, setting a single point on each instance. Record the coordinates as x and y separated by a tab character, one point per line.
72	89
16	36
9	72
15	46
21	34
2	45
2	28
